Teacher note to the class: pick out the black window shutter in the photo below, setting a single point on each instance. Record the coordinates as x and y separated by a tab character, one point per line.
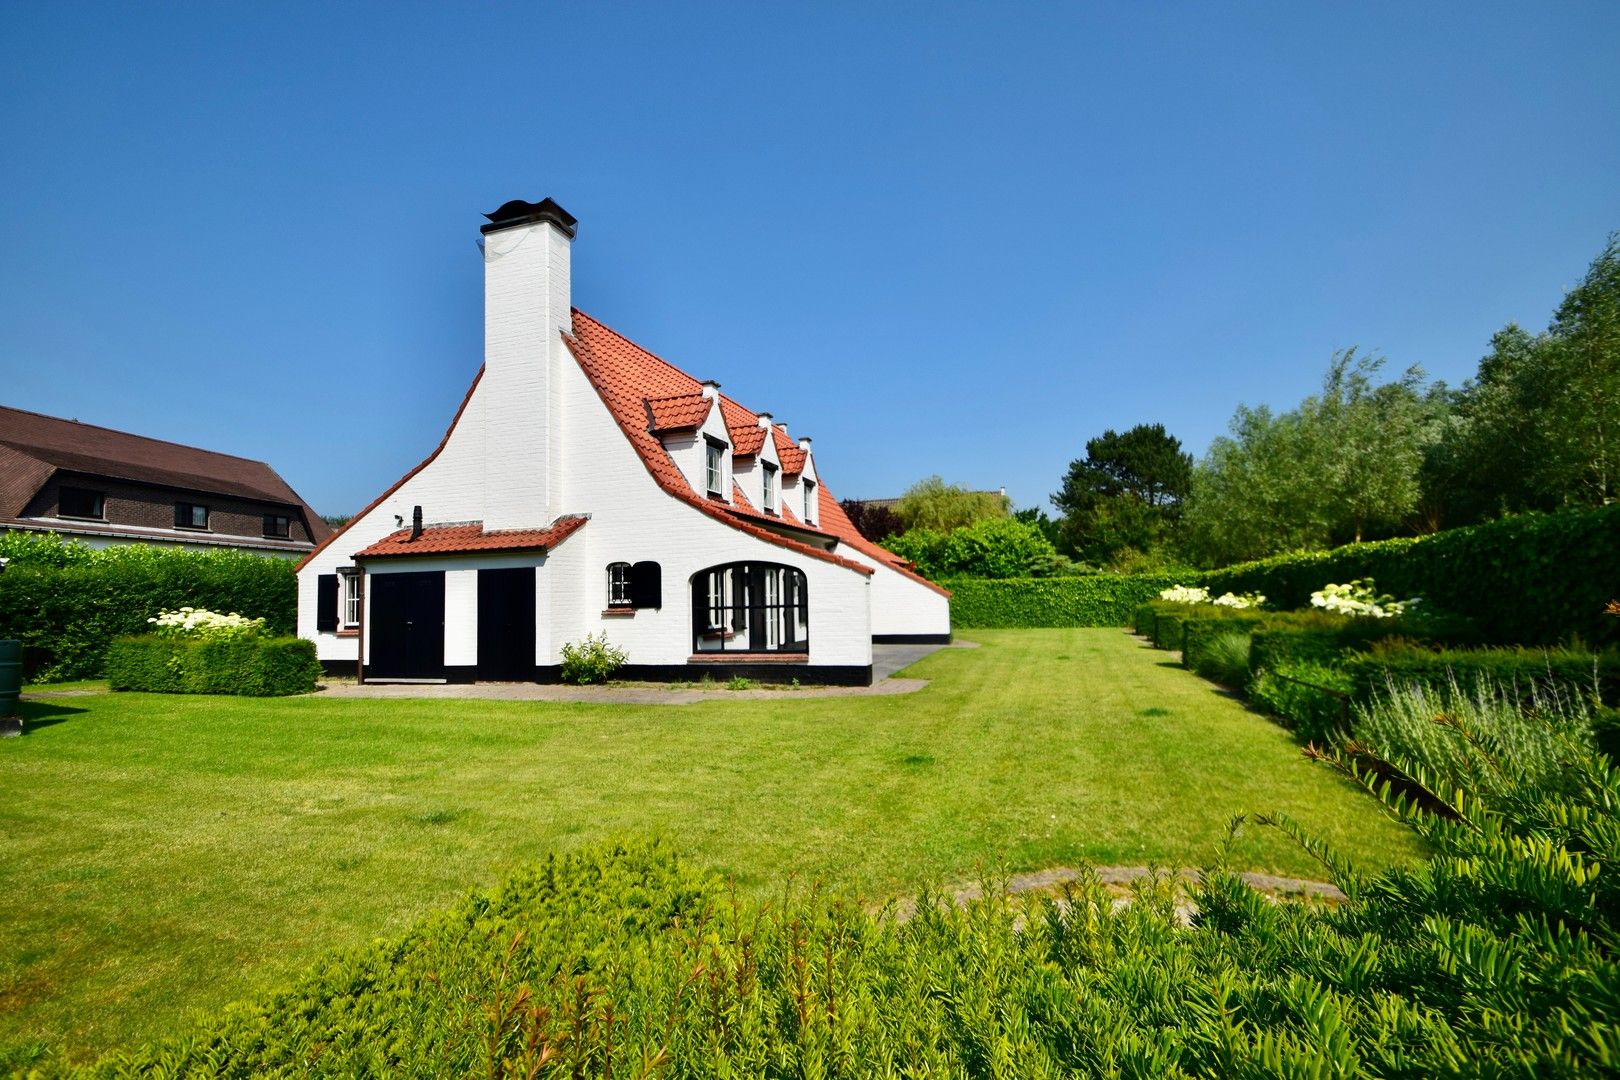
326	602
647	585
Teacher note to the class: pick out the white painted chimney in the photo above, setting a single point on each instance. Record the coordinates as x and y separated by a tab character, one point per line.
765	420
804	443
527	249
710	389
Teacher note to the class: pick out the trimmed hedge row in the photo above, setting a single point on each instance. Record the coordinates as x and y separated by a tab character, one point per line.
1531	579
243	665
65	602
1092	600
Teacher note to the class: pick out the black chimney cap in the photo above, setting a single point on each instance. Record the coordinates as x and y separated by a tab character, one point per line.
519	212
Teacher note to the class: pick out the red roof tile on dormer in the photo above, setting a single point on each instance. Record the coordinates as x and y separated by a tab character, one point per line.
788	451
627	376
747	437
470	538
680	412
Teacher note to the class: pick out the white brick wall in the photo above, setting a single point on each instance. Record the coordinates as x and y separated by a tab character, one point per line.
526	289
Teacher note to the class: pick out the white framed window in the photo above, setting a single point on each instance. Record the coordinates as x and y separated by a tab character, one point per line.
769	472
620	592
714	466
349	597
809	500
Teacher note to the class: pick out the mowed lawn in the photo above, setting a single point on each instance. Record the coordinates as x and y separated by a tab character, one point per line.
163	854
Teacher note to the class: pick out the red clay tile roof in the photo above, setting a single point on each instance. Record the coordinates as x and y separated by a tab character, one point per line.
746	435
397	484
56	444
741	507
788	451
626	376
682	412
471	538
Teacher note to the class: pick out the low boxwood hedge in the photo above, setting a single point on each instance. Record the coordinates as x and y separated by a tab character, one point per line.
243	665
1091	600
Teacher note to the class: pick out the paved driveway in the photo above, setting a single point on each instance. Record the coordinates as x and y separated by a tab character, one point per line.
888	659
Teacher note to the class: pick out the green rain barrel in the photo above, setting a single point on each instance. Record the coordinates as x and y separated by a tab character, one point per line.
10	676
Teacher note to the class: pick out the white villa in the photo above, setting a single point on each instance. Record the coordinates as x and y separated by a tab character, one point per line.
586	486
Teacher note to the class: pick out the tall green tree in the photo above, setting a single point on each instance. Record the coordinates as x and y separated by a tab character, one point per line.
934	504
1124	494
1344	464
1580	428
1370	444
1539	425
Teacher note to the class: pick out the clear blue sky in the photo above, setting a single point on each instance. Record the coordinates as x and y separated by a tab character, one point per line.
939	238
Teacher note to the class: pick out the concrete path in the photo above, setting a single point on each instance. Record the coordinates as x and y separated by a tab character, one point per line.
886	660
1117	881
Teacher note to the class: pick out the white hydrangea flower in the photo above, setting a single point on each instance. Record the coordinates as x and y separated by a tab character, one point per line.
202	623
1359	599
1182	594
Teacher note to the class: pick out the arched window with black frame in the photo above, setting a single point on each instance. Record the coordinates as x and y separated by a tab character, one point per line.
750	607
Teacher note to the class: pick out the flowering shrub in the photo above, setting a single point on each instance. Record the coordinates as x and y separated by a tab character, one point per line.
190	622
1240	603
1185	594
591	660
1361	598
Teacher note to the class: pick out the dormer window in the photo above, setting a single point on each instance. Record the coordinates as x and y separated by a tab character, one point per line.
714	467
809	500
769	472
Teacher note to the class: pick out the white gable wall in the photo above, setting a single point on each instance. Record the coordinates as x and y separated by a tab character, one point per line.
449	488
901	605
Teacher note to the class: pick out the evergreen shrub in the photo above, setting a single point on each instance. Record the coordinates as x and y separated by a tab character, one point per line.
66	602
1092	600
246	665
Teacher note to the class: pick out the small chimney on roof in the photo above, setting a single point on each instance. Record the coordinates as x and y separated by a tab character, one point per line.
416	522
711	389
804	443
765	420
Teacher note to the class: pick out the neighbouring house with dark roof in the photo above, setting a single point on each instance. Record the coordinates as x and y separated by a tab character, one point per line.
106	487
587	486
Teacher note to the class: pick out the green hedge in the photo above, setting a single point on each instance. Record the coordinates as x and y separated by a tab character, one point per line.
244	665
1092	600
66	602
1532	579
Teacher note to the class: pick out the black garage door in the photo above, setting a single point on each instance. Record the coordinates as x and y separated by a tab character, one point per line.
506	624
406	625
